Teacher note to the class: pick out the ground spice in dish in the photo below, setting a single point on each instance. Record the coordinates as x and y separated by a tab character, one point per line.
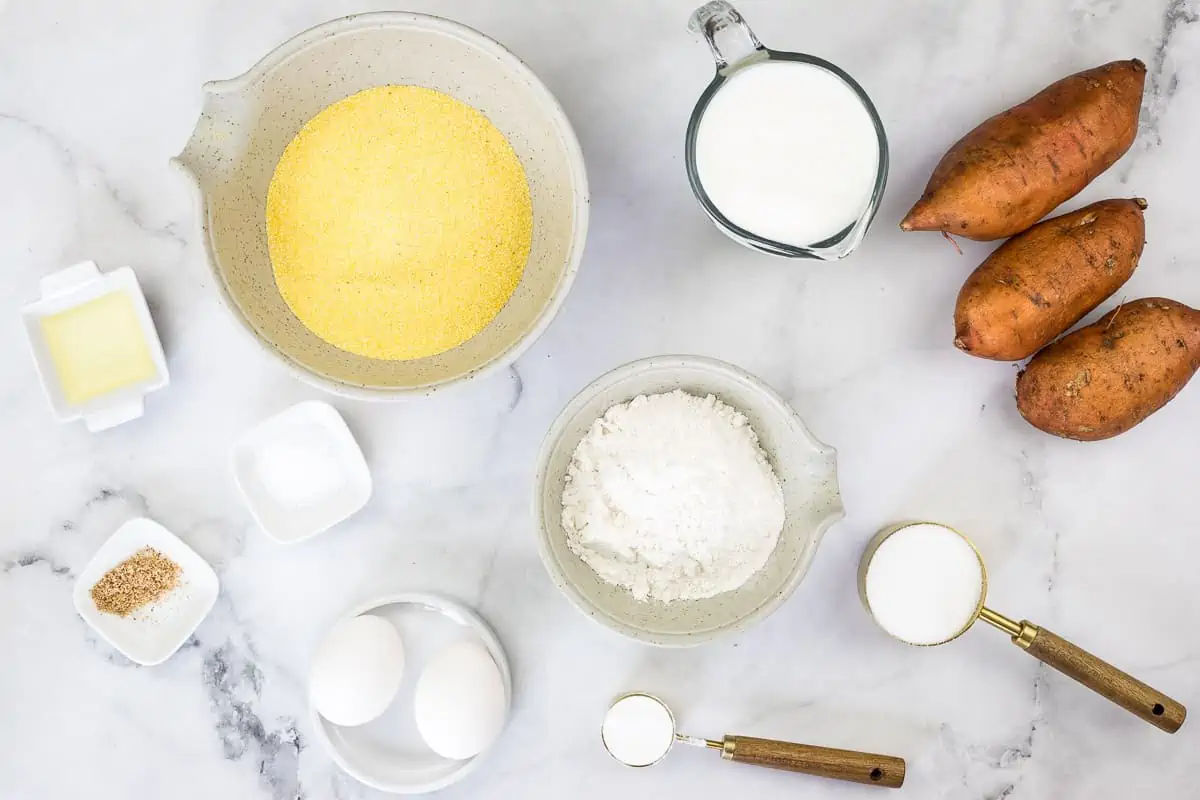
137	581
399	222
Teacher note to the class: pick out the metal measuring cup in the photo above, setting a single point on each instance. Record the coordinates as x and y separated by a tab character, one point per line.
1101	677
825	762
720	20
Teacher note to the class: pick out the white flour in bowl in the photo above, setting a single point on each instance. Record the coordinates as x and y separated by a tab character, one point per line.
671	497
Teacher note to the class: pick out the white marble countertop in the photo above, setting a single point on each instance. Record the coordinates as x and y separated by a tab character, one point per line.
1098	542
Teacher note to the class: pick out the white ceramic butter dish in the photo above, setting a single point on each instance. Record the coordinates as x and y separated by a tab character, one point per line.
151	634
75	288
301	472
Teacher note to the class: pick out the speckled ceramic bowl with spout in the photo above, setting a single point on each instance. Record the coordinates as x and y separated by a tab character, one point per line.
806	468
246	123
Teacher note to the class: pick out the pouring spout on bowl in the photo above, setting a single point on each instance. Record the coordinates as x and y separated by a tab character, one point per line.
222	132
827	501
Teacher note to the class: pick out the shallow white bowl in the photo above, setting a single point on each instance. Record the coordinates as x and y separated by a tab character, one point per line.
388	753
806	468
152	634
247	122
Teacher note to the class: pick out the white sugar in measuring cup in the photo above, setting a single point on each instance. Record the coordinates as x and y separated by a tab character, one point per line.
925	584
639	730
785	151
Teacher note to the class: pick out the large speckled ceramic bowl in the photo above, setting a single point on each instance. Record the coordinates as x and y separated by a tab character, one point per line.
806	468
247	122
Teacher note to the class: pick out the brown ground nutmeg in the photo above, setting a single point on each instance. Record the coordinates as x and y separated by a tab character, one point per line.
137	581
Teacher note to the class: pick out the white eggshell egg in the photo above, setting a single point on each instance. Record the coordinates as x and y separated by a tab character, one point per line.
459	703
357	671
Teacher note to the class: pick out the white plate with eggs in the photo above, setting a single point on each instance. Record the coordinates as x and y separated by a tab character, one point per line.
419	687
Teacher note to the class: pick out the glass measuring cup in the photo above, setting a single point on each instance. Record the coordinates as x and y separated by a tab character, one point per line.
639	730
734	48
1101	677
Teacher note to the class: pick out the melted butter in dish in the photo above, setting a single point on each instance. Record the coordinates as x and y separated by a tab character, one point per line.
98	347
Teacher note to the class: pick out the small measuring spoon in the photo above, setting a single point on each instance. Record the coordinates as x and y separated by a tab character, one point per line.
926	584
639	730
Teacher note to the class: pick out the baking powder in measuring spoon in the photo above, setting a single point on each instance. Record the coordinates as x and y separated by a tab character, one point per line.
924	584
787	151
638	730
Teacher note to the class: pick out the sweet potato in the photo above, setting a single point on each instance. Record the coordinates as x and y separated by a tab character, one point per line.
1021	164
1103	379
1041	282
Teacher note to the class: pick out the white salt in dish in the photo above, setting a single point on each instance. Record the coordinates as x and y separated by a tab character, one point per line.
151	634
923	583
301	472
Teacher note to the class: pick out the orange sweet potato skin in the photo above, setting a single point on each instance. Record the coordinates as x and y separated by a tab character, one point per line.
1102	380
1038	284
1021	164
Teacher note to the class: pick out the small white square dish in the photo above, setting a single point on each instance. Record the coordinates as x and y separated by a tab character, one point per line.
301	472
95	346
151	634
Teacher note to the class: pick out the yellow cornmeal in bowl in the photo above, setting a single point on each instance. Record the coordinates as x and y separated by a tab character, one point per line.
398	223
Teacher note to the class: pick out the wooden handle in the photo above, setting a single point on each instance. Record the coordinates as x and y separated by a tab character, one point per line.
826	762
1103	678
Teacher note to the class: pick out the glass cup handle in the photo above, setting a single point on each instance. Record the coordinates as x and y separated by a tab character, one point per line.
717	17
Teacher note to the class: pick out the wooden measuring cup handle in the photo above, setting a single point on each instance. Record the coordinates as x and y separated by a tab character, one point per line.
1103	678
825	762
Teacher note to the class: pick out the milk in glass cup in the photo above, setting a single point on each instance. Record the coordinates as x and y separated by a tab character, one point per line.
785	151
